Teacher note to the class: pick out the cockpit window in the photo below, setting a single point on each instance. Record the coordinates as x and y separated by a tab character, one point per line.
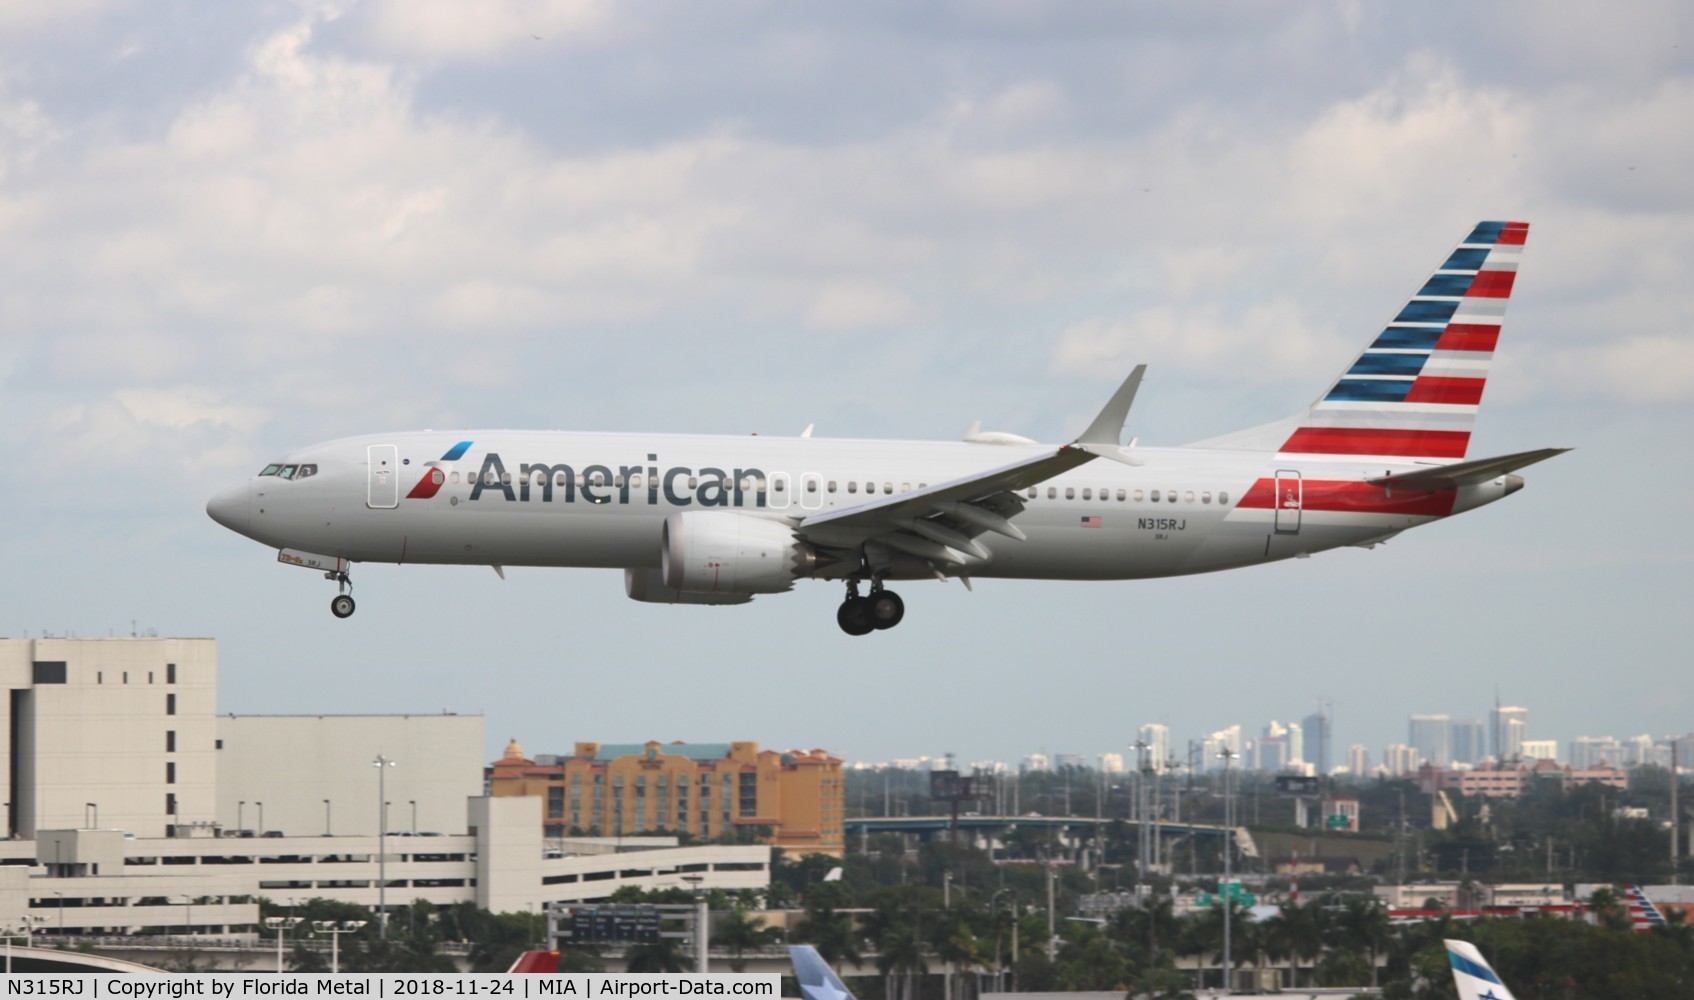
306	470
287	471
270	470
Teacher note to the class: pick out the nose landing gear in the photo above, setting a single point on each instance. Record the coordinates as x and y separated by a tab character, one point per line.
864	615
341	605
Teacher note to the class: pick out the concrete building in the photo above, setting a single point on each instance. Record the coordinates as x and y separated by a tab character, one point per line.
1534	750
1398	759
1317	741
329	785
1597	751
115	767
1358	760
1467	743
710	790
116	733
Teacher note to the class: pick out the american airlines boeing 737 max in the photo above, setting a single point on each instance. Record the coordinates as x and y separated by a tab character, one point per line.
694	519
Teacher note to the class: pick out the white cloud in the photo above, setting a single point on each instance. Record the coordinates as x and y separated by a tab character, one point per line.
847	305
448	30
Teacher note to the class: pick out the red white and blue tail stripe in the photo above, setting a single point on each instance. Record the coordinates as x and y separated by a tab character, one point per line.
1643	915
1414	392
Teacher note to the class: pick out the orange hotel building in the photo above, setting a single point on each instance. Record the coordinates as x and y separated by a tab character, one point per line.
706	789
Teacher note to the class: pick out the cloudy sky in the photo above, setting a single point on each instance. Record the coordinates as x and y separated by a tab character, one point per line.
233	229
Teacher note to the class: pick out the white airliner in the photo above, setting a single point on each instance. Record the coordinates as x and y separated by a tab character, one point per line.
695	519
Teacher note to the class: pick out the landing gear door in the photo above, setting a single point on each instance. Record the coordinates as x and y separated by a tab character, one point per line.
1290	498
383	490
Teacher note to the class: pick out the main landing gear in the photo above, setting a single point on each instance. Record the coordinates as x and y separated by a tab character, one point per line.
863	615
341	605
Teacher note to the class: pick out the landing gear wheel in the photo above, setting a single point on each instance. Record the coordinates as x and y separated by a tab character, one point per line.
884	609
341	606
854	616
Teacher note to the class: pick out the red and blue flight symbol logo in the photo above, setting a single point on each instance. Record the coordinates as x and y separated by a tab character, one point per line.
433	477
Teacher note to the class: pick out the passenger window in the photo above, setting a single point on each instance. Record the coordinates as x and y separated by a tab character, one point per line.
693	482
811	486
1223	497
776	487
1052	492
905	487
852	486
1120	496
1170	497
634	482
488	478
1154	495
506	478
559	480
1032	492
1070	492
746	484
1188	497
1205	496
760	484
1087	493
831	486
270	470
455	478
888	487
617	481
1138	496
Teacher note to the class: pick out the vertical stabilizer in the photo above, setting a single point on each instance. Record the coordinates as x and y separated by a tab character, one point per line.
1414	392
1643	915
817	980
1473	977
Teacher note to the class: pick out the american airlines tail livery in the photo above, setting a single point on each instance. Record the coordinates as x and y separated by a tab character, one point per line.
697	519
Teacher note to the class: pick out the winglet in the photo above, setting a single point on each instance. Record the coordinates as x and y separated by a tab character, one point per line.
817	980
1107	428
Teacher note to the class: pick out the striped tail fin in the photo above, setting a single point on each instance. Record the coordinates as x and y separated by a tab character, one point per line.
1414	392
1473	977
1643	915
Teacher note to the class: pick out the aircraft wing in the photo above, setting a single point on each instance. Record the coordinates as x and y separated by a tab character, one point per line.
940	522
1480	470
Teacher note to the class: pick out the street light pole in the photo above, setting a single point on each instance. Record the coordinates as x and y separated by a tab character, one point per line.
281	926
326	820
1228	894
382	764
336	928
414	805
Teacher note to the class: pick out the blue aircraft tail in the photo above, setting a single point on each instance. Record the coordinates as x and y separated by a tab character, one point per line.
817	980
1473	977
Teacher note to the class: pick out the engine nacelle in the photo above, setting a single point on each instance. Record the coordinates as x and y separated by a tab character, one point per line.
717	552
648	585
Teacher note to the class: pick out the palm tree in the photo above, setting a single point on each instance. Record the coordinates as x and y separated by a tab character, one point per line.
739	933
826	929
1298	933
955	943
1363	926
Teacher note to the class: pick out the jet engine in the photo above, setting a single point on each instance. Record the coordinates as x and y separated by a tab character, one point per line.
648	586
718	552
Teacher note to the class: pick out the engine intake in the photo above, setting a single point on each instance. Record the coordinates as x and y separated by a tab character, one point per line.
714	552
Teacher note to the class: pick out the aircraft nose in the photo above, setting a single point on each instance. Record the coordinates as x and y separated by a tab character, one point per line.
229	508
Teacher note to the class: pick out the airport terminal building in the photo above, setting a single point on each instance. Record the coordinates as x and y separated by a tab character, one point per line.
131	806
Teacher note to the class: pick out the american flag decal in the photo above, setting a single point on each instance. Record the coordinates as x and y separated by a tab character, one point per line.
1091	521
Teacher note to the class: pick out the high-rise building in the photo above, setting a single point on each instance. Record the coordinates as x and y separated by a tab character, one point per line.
1358	760
1317	741
1157	736
1541	750
1508	738
1111	763
1468	744
1431	736
1224	739
1588	752
1033	763
1296	743
1398	759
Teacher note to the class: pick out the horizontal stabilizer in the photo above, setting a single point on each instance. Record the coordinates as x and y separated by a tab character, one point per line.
1480	470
